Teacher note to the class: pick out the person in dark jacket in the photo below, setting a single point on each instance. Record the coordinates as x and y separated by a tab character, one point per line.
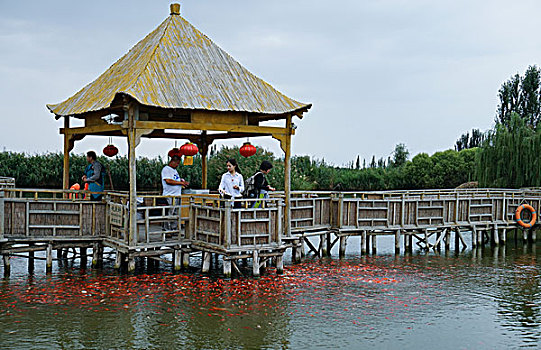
94	175
261	185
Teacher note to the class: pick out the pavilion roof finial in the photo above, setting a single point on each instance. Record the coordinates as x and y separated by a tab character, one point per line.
175	9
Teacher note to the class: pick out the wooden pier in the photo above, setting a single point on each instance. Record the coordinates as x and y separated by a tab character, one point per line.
58	220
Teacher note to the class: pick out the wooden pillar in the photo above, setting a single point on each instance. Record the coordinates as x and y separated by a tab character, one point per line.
66	172
2	203
447	239
185	259
177	260
473	237
374	245
343	244
204	160
496	235
397	242
206	262
534	235
255	266
457	239
227	267
131	263
480	238
7	265
31	261
287	177
49	258
118	259
323	243
95	254
280	264
82	253
438	240
363	243
504	236
297	250
132	171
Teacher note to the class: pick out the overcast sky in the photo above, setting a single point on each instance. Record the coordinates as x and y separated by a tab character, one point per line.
378	72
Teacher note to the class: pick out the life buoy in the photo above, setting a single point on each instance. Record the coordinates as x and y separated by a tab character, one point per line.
519	219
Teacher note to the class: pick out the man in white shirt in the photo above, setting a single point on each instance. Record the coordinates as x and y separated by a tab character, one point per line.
172	186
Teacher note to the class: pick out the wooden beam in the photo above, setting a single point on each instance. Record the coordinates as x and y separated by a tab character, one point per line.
132	170
212	127
89	130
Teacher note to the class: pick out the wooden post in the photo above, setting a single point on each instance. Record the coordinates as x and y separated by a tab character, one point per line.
297	249
177	260
280	264
2	204
66	172
49	258
323	243
473	237
343	243
185	255
504	236
95	254
438	240
363	243
31	260
255	266
448	239
131	263
374	245
287	177
480	238
524	236
410	243
534	235
397	242
7	265
82	253
457	240
204	161
206	262
227	225
132	170
496	235
118	260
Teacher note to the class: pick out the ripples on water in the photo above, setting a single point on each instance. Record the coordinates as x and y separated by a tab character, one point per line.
476	300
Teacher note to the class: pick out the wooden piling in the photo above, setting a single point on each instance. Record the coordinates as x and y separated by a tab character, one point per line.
131	264
324	243
457	239
447	240
185	259
524	236
496	235
83	257
503	236
342	250
206	262
374	238
95	254
49	258
280	264
255	263
227	268
118	260
7	265
397	242
31	261
473	237
438	241
480	234
177	260
363	243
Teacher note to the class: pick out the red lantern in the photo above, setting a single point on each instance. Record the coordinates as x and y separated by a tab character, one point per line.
189	149
247	150
174	152
110	151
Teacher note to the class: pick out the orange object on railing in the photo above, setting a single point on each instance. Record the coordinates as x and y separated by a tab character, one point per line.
519	218
75	187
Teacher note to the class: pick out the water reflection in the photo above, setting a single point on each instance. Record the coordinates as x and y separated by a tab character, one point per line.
481	298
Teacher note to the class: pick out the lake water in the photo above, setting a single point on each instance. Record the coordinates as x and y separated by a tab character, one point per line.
480	299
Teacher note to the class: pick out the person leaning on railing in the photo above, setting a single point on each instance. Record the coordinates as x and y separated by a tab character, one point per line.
172	186
232	183
94	175
260	187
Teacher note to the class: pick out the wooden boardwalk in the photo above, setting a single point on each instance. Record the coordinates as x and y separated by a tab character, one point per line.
49	220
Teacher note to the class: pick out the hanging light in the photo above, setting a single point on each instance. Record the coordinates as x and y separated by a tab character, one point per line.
110	150
247	150
189	149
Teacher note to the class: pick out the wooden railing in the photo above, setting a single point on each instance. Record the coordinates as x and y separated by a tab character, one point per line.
7	182
40	214
228	226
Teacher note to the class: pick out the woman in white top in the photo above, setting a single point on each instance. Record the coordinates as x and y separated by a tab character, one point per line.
232	184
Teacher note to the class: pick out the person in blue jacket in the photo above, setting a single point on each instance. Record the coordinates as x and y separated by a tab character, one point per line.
94	175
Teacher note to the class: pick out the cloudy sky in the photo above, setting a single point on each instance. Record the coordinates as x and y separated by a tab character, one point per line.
378	72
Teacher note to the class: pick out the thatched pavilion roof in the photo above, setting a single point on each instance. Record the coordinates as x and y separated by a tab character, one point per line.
177	66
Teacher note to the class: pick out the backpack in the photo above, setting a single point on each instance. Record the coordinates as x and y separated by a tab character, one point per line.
249	185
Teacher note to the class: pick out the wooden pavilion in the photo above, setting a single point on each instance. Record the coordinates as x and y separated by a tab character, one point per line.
177	78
